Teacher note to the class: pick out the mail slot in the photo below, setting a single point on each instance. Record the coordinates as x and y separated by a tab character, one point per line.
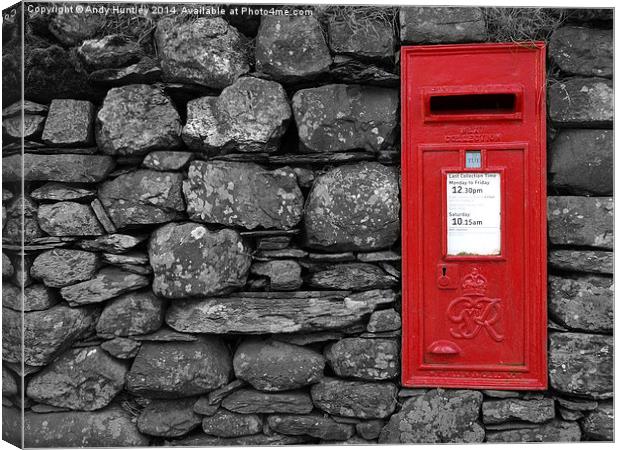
474	216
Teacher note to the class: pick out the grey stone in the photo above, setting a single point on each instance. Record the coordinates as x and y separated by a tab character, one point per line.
362	37
102	216
577	404
110	51
69	123
308	338
111	426
202	440
346	69
64	168
283	275
81	379
586	221
9	383
380	256
273	242
536	411
581	162
216	396
36	297
355	398
591	261
168	418
242	194
26	106
353	207
291	48
228	424
164	161
121	348
599	424
370	429
285	253
30	127
555	431
68	219
72	28
384	320
437	416
581	364
501	394
166	335
316	425
583	51
438	25
582	103
249	116
109	283
354	276
145	71
253	313
180	369
134	258
143	197
64	267
366	359
20	221
341	117
270	365
45	333
7	267
249	401
203	407
582	304
131	314
189	260
567	414
205	51
137	119
113	243
59	192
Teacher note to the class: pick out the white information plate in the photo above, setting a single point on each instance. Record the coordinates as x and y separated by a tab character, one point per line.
473	213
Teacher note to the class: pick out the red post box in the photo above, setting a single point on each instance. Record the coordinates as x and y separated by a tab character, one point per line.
474	216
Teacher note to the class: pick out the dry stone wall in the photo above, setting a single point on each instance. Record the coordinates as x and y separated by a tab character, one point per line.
211	234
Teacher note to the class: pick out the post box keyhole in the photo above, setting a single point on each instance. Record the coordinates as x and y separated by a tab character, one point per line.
443	271
447	276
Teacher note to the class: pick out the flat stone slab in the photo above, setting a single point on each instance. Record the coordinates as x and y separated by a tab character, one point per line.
134	313
341	117
69	123
353	276
581	103
536	411
66	168
581	162
68	219
315	425
583	51
111	51
113	243
228	424
109	283
441	25
249	401
168	418
164	161
582	303
59	192
253	313
581	364
362	37
243	194
358	399
143	197
583	221
555	431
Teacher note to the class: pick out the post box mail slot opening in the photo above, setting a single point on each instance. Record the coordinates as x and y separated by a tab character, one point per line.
473	103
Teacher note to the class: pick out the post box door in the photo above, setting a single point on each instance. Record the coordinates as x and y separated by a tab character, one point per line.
473	224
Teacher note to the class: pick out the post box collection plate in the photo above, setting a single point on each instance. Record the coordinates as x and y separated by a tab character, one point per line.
474	216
